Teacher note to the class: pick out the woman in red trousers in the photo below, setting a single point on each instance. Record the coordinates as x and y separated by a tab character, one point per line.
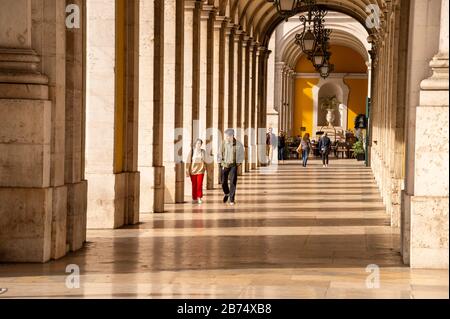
195	169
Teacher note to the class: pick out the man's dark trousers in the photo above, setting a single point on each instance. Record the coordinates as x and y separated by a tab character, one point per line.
230	175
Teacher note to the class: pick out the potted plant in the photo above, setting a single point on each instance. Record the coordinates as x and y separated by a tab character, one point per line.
358	151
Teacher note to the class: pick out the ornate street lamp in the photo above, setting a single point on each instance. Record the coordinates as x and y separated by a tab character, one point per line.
314	40
326	69
286	7
322	53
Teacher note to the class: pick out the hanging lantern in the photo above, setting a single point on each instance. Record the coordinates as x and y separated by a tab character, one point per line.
287	7
326	69
319	58
308	42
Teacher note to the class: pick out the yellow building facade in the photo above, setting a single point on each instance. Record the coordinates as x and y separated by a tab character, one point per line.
350	65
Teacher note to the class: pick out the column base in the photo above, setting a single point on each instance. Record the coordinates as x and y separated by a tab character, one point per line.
76	215
113	200
26	224
174	183
159	189
429	232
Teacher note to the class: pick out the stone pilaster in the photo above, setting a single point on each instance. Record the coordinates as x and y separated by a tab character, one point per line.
146	96
158	108
246	43
111	102
74	136
429	205
225	51
37	190
253	104
291	102
237	83
212	105
174	174
217	43
189	55
261	112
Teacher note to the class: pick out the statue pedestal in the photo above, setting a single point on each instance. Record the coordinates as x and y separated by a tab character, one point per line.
335	133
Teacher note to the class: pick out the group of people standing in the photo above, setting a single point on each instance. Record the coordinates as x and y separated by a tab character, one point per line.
230	158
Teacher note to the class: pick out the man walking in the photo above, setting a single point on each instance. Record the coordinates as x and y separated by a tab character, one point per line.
325	148
231	157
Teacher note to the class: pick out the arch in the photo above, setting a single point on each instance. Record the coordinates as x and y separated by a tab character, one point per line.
350	34
333	84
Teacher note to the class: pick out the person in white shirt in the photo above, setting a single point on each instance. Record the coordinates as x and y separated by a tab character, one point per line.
195	169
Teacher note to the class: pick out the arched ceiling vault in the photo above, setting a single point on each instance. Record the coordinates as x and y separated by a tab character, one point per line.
259	18
346	32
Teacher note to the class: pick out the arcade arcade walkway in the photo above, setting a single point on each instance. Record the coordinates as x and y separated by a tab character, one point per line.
295	233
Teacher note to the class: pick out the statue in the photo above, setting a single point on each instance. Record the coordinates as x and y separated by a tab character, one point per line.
330	104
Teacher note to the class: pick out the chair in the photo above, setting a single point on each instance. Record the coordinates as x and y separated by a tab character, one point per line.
341	149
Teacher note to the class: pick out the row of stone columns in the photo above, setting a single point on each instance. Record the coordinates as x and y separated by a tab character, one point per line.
213	79
285	96
407	153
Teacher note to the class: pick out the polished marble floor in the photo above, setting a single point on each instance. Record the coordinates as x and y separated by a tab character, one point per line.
295	233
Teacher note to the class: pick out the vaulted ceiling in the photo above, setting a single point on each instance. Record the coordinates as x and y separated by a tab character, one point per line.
259	18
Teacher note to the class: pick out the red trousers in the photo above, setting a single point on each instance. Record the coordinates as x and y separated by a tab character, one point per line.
197	186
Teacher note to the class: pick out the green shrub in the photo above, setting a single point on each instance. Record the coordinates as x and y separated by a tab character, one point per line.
358	148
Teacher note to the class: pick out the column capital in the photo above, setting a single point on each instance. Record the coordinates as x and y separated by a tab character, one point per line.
238	35
219	21
228	27
279	65
190	4
206	11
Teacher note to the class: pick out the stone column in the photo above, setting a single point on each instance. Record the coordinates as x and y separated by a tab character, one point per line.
189	55
421	49
197	65
234	38
111	146
212	105
146	73
429	205
253	112
103	167
246	43
217	91
203	99
261	109
131	112
33	208
75	114
158	108
174	174
291	102
240	82
225	50
272	96
284	101
278	86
